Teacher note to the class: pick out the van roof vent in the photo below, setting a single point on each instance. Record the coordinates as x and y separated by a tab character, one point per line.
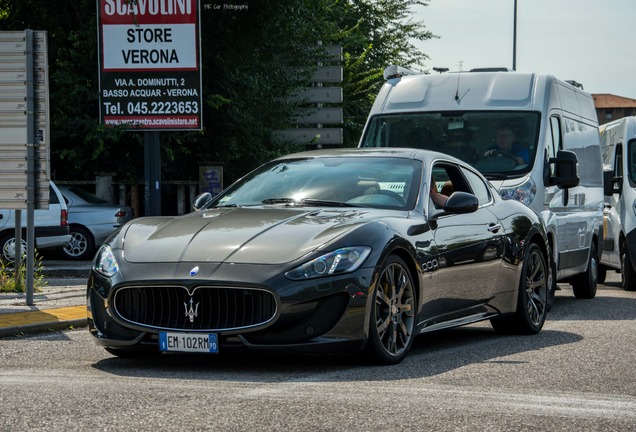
575	84
491	69
395	71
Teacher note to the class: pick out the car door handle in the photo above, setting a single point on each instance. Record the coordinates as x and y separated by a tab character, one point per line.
494	227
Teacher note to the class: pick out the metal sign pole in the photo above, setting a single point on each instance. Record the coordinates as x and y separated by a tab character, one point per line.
18	250
30	167
152	173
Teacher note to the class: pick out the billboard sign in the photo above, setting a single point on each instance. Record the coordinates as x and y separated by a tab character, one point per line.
150	64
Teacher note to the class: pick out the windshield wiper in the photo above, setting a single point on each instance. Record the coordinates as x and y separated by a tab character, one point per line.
326	203
494	176
278	201
308	201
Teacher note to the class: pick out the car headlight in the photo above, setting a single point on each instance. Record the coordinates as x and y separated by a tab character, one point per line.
524	193
105	262
343	260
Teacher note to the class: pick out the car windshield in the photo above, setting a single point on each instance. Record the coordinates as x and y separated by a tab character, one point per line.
329	181
500	144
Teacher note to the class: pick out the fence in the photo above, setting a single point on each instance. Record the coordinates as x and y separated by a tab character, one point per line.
176	196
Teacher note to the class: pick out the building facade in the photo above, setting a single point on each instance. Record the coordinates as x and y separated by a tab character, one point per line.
611	107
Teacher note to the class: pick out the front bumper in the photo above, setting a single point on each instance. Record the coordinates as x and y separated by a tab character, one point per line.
315	316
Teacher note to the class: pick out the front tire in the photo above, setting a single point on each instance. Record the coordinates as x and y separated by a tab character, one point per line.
552	285
392	321
601	274
584	285
628	275
532	300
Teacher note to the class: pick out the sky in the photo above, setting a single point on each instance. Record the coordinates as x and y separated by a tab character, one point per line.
590	41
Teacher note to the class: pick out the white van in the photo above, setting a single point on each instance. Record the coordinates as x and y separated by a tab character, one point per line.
618	141
533	136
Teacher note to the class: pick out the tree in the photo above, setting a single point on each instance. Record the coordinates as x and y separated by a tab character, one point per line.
374	34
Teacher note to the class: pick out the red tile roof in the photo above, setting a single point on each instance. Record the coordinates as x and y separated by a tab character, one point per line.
613	101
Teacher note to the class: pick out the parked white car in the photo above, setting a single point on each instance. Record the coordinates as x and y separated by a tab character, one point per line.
91	220
50	225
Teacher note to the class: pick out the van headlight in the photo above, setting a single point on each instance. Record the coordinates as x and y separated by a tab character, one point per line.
524	193
105	262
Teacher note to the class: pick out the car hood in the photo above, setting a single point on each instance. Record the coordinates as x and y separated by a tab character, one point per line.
238	235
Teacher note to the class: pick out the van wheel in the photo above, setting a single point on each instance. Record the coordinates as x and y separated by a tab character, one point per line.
552	285
532	299
628	275
602	274
584	285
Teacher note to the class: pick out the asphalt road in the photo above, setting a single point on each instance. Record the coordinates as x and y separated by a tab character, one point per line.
578	374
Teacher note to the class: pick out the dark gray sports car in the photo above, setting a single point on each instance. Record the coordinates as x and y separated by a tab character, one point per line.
327	251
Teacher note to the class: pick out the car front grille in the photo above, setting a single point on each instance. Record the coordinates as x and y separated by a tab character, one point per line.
206	309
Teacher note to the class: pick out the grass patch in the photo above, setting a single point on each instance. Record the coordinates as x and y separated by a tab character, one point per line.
9	283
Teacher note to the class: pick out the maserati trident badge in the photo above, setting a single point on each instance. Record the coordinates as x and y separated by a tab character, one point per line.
191	312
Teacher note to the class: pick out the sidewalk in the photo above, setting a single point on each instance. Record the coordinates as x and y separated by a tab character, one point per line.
60	304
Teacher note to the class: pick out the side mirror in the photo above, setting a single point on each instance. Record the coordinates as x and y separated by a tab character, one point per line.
566	167
611	184
201	200
459	203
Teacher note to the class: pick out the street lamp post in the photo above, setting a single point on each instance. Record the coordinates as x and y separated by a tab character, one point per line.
514	37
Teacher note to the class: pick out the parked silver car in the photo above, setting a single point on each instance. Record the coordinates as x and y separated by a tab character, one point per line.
91	220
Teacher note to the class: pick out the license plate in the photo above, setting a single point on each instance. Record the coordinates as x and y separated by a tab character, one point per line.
188	342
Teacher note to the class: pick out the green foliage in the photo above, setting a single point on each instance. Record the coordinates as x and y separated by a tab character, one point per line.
8	276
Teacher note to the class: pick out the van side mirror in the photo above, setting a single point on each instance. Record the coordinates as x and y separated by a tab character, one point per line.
201	200
611	184
566	167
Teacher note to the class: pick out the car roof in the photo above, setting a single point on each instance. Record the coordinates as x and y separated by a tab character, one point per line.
389	152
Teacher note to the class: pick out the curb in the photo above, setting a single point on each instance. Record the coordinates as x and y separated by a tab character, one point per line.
42	320
42	327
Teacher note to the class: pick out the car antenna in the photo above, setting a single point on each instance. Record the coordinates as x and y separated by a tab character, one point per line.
458	76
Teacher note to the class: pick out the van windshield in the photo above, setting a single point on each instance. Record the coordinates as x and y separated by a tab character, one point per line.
500	144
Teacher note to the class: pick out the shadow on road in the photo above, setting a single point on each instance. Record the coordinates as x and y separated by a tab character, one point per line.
431	354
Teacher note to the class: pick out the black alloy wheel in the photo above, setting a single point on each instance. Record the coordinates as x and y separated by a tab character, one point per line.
393	313
532	302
